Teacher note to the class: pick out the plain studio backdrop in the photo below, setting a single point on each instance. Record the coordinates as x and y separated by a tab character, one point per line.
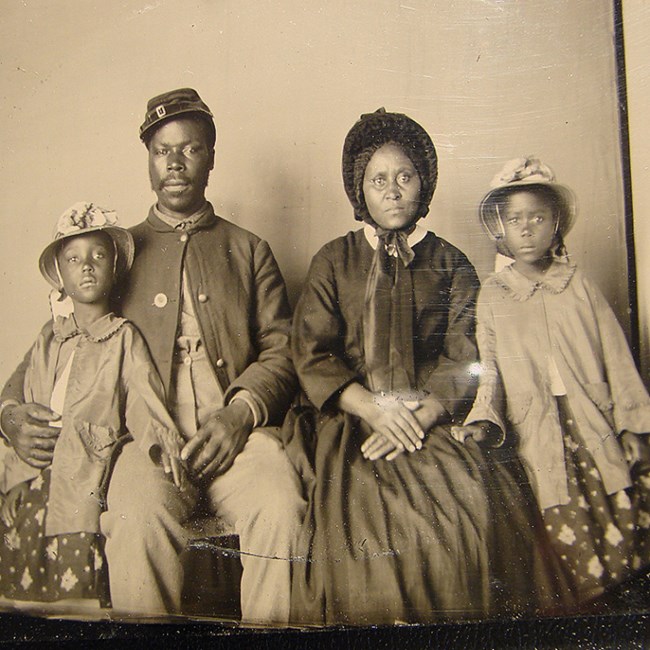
489	79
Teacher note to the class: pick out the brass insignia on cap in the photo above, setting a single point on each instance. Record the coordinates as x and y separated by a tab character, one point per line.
161	111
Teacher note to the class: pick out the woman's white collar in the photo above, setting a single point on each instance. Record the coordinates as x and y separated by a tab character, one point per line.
418	234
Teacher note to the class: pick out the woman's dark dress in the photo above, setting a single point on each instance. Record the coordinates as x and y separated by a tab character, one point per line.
432	535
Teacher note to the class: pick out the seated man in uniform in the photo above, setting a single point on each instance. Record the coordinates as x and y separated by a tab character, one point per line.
211	303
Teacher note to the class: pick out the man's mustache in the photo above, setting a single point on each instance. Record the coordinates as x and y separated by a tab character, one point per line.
174	180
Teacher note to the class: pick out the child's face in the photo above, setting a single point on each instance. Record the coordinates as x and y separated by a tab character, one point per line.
391	187
86	265
529	227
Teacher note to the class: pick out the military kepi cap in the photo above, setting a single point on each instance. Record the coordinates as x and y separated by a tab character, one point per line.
172	104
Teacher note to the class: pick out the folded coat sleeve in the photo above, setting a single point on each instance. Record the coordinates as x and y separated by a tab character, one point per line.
629	395
489	404
318	336
145	415
453	381
270	378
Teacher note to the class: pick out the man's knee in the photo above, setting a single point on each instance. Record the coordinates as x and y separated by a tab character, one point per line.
279	503
279	482
260	492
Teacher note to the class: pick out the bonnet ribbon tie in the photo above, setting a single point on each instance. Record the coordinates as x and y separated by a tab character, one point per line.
396	243
388	314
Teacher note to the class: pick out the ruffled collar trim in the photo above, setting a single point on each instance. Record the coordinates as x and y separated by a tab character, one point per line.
65	327
555	280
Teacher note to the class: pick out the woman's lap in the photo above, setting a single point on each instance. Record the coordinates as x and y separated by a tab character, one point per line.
409	534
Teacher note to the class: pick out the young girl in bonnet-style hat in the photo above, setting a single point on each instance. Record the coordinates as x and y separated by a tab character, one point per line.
557	375
402	524
93	370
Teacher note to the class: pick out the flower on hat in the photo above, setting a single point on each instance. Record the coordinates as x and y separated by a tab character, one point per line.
519	169
84	215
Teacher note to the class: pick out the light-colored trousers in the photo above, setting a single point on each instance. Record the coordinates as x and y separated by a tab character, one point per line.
259	496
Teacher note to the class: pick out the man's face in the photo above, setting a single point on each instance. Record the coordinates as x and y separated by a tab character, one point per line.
179	166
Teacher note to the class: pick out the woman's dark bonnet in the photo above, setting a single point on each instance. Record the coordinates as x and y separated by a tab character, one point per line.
374	130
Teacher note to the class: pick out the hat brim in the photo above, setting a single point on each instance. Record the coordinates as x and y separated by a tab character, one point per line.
490	218
124	247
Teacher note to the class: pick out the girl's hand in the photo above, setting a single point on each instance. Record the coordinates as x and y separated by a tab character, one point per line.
172	465
11	503
168	455
633	447
478	431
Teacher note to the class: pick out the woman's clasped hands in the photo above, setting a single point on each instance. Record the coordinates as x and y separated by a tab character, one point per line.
397	422
395	428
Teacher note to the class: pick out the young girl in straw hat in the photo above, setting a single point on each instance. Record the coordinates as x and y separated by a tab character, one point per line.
93	370
557	374
404	524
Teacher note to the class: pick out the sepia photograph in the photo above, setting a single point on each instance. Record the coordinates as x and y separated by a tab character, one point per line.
325	318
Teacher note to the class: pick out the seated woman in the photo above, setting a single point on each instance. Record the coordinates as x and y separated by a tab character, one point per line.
404	523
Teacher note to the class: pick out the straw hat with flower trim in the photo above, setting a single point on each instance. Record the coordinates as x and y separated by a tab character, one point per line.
519	174
80	219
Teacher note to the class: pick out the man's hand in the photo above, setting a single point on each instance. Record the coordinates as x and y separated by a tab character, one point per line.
216	444
27	428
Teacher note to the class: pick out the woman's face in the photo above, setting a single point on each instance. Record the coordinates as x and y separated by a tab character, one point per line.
391	187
